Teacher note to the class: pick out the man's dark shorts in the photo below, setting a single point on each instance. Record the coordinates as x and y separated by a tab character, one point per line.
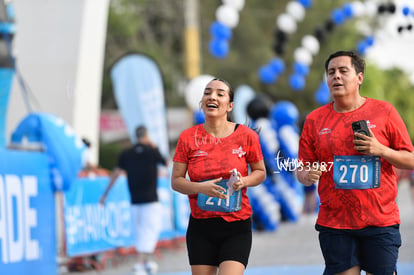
374	249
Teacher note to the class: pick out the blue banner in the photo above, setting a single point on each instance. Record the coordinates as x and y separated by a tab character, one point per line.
91	227
181	213
165	195
27	214
139	93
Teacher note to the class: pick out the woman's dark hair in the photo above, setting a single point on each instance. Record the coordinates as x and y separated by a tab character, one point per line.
356	60
231	91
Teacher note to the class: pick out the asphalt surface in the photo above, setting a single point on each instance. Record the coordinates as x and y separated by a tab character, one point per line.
292	248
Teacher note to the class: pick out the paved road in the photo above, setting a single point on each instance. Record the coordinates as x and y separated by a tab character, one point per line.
291	249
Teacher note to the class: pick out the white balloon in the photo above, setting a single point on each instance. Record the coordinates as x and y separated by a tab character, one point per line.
286	23
358	8
265	199
194	91
311	44
371	8
290	137
237	4
227	15
296	10
303	55
242	97
268	134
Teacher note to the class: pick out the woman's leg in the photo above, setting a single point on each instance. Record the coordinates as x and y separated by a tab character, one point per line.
203	270
231	268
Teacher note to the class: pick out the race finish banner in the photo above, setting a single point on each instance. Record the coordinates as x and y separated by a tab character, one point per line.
27	214
91	227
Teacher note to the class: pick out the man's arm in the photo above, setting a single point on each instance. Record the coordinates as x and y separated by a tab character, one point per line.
308	177
370	145
114	176
399	159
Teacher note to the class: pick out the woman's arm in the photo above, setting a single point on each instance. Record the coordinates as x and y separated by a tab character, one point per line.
180	184
256	176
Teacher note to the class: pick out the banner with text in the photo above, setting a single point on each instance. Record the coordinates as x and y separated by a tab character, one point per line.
91	227
27	214
139	93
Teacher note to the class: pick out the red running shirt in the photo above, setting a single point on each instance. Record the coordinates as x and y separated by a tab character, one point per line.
208	157
326	134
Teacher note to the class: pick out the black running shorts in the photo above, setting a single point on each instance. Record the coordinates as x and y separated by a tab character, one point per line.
212	241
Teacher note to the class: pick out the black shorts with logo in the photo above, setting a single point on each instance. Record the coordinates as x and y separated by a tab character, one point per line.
214	240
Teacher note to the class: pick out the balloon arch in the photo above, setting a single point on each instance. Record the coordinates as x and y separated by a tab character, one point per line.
227	18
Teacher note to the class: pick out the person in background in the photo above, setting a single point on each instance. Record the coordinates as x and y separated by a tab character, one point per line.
219	234
140	163
89	169
358	219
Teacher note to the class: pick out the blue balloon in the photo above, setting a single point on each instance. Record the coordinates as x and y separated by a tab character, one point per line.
297	82
362	47
277	65
284	113
406	10
219	47
7	28
323	96
306	3
267	75
301	68
198	117
11	14
220	31
370	40
338	16
348	11
324	86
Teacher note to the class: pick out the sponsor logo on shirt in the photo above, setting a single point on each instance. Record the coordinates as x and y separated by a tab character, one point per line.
200	153
239	152
371	125
325	131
